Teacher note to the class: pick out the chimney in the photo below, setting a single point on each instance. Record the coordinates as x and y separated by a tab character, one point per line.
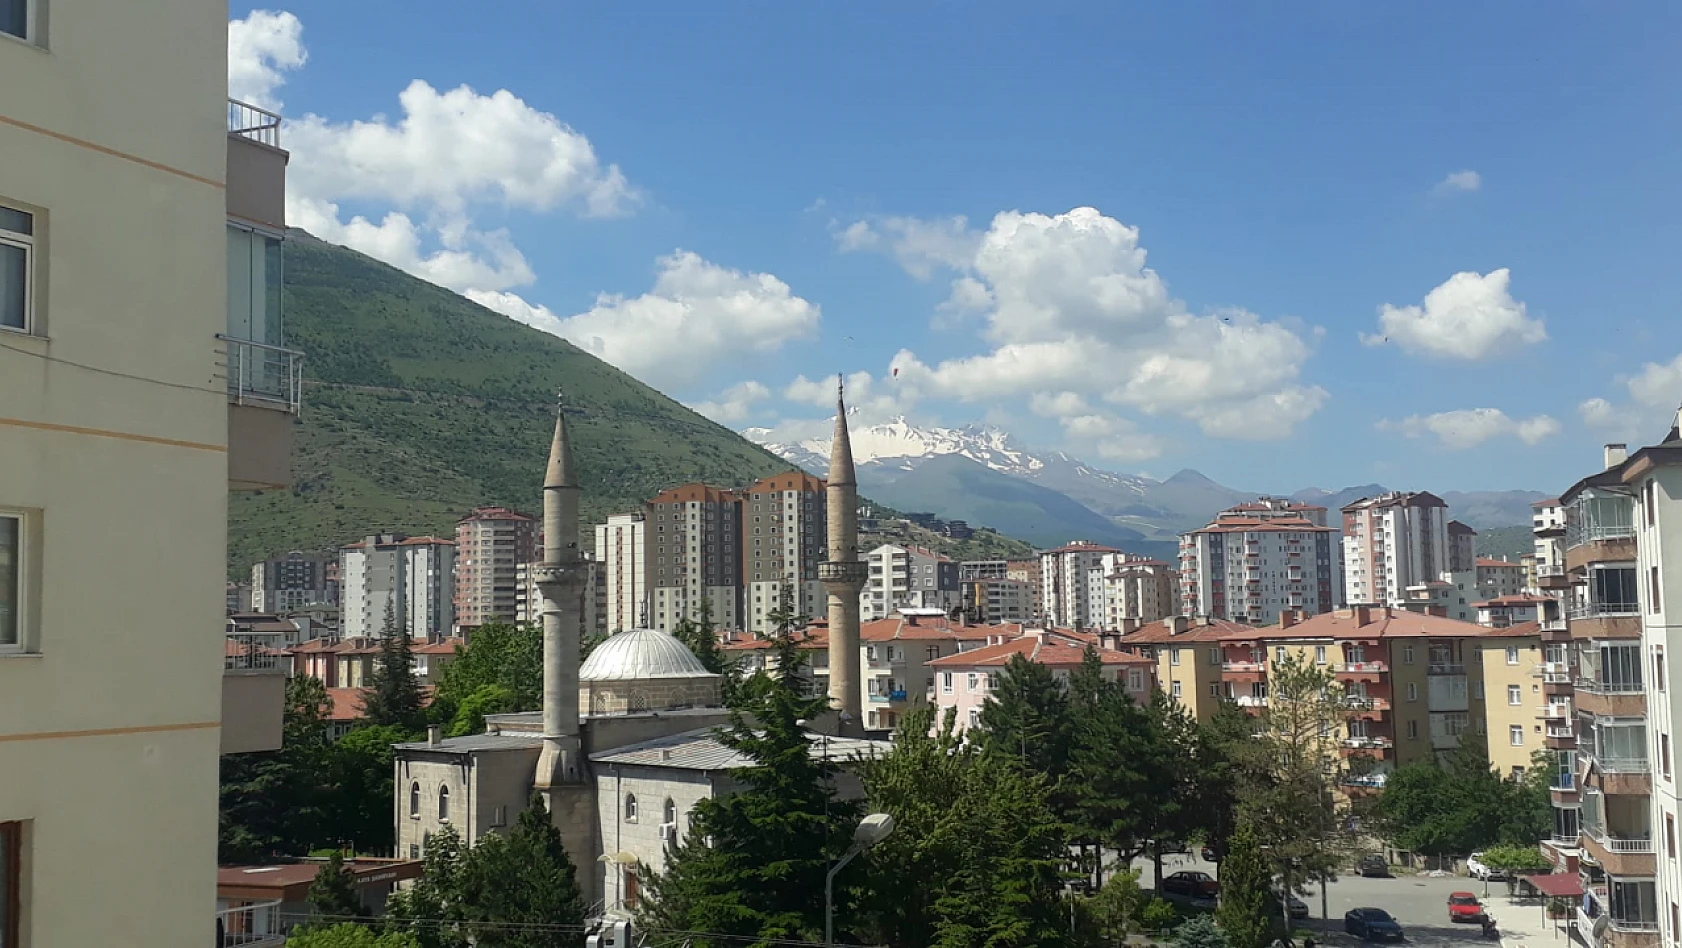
1203	621
1616	454
1287	618
1131	625
1177	625
434	734
1363	615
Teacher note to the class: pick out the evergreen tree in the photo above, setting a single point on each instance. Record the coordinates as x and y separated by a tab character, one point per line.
1222	754
1114	780
1027	719
1200	931
360	772
1245	913
519	890
700	635
279	803
393	696
333	897
431	911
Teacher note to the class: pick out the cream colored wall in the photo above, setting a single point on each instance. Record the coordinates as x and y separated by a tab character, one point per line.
1499	716
118	713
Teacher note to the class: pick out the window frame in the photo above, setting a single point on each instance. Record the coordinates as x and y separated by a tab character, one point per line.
1515	735
1512	654
629	805
11	883
443	803
31	36
21	567
414	800
1515	695
28	244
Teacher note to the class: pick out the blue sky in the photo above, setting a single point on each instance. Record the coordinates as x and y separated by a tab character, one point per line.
729	200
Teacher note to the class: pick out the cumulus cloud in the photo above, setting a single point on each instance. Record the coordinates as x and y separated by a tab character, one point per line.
1459	182
262	47
517	308
699	316
1653	396
1470	427
921	246
466	260
736	404
1469	317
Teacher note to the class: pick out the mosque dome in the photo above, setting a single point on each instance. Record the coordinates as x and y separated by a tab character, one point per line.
640	654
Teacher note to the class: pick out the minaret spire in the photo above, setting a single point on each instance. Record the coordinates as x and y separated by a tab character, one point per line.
842	573
560	578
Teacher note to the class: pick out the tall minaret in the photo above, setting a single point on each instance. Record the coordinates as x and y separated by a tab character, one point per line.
843	575
560	578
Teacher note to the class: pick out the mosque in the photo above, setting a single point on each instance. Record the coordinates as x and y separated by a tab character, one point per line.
624	746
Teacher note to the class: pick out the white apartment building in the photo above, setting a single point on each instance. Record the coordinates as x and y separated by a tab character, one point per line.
1250	569
993	601
622	552
528	598
413	577
1391	542
784	526
903	577
142	378
1066	584
1140	589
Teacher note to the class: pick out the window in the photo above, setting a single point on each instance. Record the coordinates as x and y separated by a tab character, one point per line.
1653	589
932	653
1279	653
1176	689
414	800
945	683
1407	655
499	816
443	804
992	681
1515	735
668	814
1658	667
1512	654
1413	730
11	871
630	808
1413	691
971	682
1670	835
1647	499
1664	755
1214	689
11	581
975	717
1174	656
1515	694
17	249
1319	655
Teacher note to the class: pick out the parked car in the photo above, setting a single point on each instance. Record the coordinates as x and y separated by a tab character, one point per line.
1299	908
1209	855
1464	907
1372	864
1191	884
1476	868
1372	924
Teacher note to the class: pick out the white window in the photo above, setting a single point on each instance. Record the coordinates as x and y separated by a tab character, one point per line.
974	717
443	804
1215	655
1515	694
11	582
1407	655
17	254
1175	690
630	808
1174	656
970	684
1413	691
1515	735
17	18
945	683
1512	654
1279	653
1319	655
669	813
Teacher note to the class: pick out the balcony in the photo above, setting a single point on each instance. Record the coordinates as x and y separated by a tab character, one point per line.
1596	610
1623	765
1366	781
1557	711
253	694
1445	668
1363	742
1249	667
1362	668
258	925
1251	701
1619	855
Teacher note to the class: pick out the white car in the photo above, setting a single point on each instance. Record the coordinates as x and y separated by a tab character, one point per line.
1477	870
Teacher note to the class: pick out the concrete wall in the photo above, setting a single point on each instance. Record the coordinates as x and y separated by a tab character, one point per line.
1500	716
253	710
131	262
652	787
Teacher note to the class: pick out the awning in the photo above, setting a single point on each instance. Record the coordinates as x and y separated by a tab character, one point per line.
1561	885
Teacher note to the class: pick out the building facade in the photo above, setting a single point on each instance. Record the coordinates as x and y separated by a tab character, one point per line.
1028	571
907	577
991	601
964	682
491	545
1251	569
694	553
290	582
410	578
143	376
622	552
1391	542
1140	589
1066	584
784	521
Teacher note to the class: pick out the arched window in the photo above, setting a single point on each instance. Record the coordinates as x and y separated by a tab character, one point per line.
670	815
414	800
630	808
443	804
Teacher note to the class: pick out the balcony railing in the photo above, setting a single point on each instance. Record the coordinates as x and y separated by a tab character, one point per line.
1355	667
1595	610
1563	839
1365	703
251	926
1251	701
1623	765
250	653
1560	732
1368	742
1549	569
1555	711
253	123
1551	668
1362	780
1243	666
1610	687
261	374
1445	668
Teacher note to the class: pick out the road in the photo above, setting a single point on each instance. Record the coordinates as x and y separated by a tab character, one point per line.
1419	903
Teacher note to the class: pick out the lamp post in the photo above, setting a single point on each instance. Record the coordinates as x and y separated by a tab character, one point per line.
871	830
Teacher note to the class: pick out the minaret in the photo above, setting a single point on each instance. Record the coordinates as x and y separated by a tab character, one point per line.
843	576
560	578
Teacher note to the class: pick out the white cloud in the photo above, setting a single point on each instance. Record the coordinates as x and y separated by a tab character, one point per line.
1459	182
1058	404
1654	394
468	261
869	400
1469	316
699	316
1470	427
517	308
736	404
261	48
920	246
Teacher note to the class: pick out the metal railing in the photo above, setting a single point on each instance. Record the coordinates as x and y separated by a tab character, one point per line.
1594	610
1362	780
1623	925
1251	701
259	373
1365	703
1561	732
253	123
1549	569
1610	687
251	926
252	653
1243	666
1563	839
1551	668
1368	742
1624	765
1445	668
1557	711
1351	667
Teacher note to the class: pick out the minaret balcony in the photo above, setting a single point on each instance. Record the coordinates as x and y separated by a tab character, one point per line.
843	572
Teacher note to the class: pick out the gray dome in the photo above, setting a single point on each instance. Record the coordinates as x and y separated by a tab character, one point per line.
637	654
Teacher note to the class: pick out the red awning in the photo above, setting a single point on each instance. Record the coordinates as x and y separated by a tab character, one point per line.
1560	885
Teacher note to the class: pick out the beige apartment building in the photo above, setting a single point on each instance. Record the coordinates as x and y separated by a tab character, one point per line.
143	376
784	522
491	545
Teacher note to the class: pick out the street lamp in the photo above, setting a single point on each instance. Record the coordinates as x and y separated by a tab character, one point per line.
871	830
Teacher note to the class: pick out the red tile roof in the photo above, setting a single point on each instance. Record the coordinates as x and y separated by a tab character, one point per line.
1162	633
1383	623
1045	650
929	629
1518	631
1489	561
347	702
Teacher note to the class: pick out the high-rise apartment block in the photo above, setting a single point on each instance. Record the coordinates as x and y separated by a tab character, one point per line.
528	598
1391	542
1066	584
907	577
140	243
1256	561
621	552
971	570
784	519
290	582
994	601
694	553
491	545
1462	547
1144	590
410	578
1028	571
1497	579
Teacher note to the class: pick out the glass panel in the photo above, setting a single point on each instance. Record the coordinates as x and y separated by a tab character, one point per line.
16	221
239	283
10	555
271	291
14	19
14	286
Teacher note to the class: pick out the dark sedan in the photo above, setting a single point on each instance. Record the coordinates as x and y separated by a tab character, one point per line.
1191	884
1372	924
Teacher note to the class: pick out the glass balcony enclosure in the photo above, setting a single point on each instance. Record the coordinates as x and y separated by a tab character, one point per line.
1598	515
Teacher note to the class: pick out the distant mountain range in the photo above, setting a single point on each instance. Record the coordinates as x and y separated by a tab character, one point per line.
984	476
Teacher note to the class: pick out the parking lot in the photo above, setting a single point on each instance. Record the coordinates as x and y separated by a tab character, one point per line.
1419	903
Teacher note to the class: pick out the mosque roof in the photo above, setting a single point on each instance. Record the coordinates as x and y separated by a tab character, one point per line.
638	654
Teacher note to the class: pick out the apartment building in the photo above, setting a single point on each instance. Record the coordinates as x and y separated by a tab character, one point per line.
409	578
992	601
491	545
1140	589
622	551
1188	657
142	378
694	551
972	570
1517	712
1028	571
908	577
528	598
1547	521
785	517
1391	542
1451	596
1498	578
1066	584
1462	547
1251	568
965	682
290	582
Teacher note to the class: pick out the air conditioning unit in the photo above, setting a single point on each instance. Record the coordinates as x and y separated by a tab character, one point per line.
668	832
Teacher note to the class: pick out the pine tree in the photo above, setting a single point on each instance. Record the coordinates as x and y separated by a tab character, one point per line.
431	911
1115	782
519	889
333	897
701	637
1027	719
1245	913
393	695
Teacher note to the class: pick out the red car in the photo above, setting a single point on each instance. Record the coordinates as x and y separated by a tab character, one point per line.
1464	907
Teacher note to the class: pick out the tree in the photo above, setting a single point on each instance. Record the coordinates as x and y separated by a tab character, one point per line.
1516	860
1461	804
393	695
501	655
1245	913
1117	782
700	635
348	935
1529	813
469	714
333	896
278	803
360	773
1200	931
1027	719
431	912
1221	756
1117	911
521	890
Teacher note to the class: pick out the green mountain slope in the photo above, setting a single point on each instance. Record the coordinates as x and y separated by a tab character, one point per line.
419	405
